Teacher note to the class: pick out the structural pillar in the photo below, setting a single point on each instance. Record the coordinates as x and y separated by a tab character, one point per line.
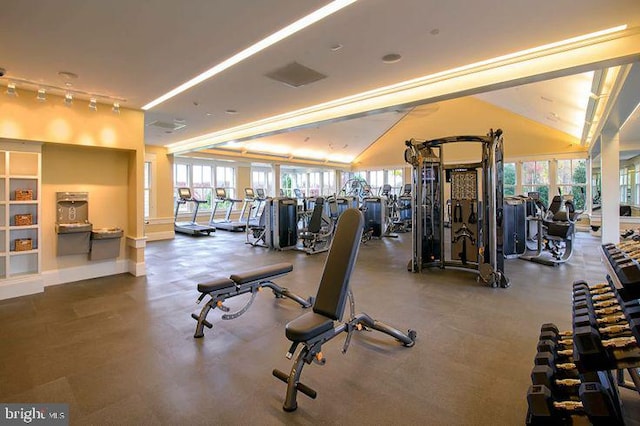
276	180
610	181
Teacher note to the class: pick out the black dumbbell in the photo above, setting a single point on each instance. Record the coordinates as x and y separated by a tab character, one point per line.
595	403
560	388
561	351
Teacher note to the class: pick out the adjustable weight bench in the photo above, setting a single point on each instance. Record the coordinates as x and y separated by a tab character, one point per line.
315	328
247	282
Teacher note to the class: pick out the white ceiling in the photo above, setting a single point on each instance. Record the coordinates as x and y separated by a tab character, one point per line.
138	50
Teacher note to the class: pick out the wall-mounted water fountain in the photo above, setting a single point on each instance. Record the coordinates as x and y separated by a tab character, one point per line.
72	223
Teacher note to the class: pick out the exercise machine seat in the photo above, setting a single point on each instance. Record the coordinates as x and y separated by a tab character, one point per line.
334	284
561	230
556	204
315	224
214	285
269	271
307	326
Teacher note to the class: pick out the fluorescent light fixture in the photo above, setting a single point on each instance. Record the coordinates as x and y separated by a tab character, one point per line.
470	76
279	35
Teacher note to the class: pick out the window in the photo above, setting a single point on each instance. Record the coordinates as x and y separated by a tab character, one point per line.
226	178
262	178
147	188
202	183
572	179
328	182
509	179
181	180
535	178
314	184
376	180
624	185
396	180
198	176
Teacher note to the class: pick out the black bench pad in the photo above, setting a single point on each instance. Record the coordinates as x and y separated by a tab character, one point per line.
307	326
262	273
217	284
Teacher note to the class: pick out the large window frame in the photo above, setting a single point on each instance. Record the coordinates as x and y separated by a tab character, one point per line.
262	177
509	179
202	177
536	178
571	178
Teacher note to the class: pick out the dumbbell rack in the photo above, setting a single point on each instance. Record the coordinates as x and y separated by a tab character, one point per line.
572	376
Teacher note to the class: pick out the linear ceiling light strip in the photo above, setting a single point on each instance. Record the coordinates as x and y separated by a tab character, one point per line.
285	32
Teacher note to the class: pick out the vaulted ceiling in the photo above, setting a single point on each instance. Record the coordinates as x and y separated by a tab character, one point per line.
135	51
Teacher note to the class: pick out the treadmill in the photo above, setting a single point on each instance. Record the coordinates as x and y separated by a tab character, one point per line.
226	224
191	228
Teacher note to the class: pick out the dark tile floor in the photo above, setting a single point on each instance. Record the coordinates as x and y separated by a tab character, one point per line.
120	350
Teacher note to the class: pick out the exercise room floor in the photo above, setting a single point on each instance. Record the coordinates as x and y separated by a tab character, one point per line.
120	350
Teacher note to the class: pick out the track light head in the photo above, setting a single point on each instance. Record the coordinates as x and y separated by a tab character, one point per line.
11	90
42	95
93	104
68	99
116	108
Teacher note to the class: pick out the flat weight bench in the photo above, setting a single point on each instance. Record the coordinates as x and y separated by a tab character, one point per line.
315	328
247	282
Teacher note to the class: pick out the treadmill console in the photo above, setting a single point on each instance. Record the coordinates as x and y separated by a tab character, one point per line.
248	193
184	193
221	193
260	193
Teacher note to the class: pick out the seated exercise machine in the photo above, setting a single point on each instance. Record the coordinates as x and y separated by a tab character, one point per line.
252	281
316	237
315	328
403	209
377	215
226	224
277	226
193	227
552	229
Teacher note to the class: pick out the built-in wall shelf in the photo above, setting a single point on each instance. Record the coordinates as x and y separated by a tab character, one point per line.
20	212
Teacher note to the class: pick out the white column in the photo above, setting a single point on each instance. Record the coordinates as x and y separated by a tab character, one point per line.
610	172
276	180
588	200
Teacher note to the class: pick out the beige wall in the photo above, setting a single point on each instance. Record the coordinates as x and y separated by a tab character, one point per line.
466	116
103	173
159	225
97	151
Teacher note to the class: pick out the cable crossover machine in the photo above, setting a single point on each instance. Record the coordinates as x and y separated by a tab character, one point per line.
475	209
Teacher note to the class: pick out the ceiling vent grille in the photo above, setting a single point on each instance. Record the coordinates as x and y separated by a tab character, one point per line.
295	75
176	125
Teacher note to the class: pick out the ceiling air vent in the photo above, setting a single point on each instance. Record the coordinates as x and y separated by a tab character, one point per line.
176	125
295	75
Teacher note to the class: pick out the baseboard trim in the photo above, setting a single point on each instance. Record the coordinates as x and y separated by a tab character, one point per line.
21	287
95	270
137	269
